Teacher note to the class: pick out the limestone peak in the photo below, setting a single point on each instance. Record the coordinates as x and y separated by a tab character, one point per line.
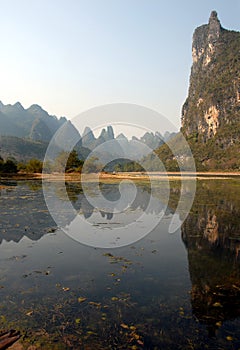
213	16
214	26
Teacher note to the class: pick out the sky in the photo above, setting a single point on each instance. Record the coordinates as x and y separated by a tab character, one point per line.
72	55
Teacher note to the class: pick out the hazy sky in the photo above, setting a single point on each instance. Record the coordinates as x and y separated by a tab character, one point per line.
71	55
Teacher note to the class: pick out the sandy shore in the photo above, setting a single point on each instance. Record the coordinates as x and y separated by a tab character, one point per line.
76	177
171	175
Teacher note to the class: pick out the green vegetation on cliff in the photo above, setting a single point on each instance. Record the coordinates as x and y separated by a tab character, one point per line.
211	112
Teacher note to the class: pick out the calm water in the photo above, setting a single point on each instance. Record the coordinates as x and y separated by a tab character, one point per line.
166	291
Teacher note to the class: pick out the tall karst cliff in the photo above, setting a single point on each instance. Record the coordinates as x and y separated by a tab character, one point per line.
211	112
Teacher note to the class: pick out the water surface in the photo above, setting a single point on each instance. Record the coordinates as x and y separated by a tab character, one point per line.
165	291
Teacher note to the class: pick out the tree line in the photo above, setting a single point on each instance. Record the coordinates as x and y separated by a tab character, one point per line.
68	163
64	162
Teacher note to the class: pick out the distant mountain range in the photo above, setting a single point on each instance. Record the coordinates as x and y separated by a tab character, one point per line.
26	133
33	123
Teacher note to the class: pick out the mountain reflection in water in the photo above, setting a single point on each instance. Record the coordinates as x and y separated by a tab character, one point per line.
211	235
108	206
24	211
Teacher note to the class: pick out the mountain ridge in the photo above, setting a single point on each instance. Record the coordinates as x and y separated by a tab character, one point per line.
26	133
20	122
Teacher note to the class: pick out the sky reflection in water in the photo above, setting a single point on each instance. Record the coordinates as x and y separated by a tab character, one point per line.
174	289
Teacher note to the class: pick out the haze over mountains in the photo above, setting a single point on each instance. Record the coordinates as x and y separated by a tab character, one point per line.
26	133
210	116
32	123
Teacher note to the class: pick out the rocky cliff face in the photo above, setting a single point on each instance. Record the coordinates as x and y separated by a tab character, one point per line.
213	102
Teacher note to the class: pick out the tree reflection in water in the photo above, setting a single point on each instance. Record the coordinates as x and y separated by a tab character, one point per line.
211	235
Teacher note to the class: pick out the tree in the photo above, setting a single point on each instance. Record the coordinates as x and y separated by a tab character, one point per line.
68	162
21	166
1	163
91	165
9	167
73	161
34	166
118	167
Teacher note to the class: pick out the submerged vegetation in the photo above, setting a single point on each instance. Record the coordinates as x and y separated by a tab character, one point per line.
137	297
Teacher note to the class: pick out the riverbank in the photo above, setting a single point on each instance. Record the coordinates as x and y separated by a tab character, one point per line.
170	175
77	177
